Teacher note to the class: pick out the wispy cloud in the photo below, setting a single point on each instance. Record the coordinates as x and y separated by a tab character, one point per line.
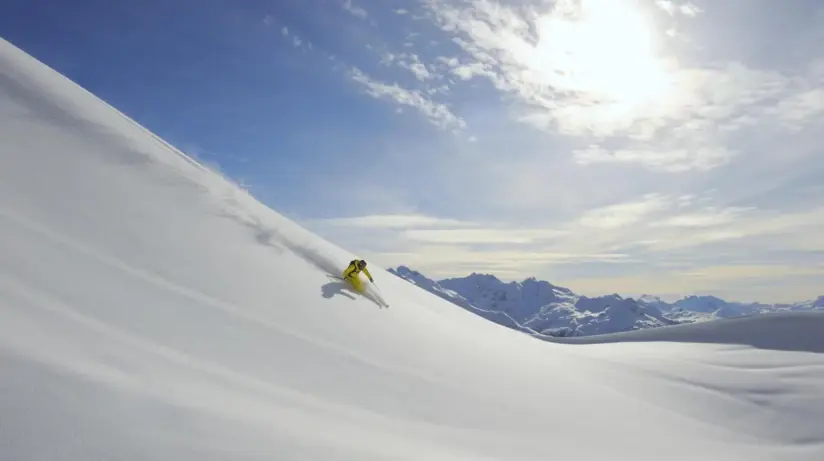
748	272
704	218
624	214
628	236
393	221
737	282
451	260
674	8
438	114
594	70
410	62
355	10
674	161
617	141
294	39
482	236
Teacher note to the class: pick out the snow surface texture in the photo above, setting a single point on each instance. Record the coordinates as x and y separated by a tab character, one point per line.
535	306
151	310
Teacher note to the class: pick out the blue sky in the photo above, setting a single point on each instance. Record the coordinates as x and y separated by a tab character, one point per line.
628	146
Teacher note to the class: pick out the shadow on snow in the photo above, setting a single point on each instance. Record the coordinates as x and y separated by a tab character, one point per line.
332	289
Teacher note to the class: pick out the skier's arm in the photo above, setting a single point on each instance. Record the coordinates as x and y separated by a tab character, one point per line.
366	271
348	271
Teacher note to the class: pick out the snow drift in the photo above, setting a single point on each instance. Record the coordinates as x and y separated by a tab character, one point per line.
151	310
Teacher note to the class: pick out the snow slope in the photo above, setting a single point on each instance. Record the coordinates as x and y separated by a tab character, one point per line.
151	310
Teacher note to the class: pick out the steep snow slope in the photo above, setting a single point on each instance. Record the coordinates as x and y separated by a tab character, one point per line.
149	310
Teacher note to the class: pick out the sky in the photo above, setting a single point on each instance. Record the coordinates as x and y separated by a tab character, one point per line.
610	146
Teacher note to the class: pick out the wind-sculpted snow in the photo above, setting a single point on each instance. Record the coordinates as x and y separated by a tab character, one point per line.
151	310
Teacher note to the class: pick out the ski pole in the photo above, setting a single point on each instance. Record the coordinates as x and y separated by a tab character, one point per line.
380	293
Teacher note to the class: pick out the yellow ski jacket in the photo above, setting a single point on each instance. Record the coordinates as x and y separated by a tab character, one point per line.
353	269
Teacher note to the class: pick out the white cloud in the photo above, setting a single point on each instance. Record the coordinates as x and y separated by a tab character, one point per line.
758	227
410	62
469	71
354	10
734	282
679	160
690	9
450	62
449	260
482	236
392	221
624	214
726	273
599	64
627	237
438	114
596	69
667	6
657	223
294	39
797	109
705	218
673	8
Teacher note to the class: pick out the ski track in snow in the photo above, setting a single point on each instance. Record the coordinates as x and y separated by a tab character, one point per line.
152	310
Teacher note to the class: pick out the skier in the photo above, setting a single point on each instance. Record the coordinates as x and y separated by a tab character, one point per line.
351	273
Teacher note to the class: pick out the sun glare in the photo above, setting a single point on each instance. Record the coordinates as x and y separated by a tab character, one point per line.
606	51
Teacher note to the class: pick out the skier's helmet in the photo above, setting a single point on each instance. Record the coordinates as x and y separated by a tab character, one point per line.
361	264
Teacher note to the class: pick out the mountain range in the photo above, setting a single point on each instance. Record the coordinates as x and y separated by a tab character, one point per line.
539	307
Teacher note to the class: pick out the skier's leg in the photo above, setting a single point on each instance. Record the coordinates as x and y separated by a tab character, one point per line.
356	282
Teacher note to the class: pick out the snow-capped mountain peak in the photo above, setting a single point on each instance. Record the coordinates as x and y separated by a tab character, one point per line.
540	306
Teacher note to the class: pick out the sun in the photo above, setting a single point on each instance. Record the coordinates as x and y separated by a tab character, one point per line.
604	50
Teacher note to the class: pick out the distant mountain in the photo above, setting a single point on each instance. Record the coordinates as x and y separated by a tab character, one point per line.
539	307
535	306
710	307
520	300
420	280
704	304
